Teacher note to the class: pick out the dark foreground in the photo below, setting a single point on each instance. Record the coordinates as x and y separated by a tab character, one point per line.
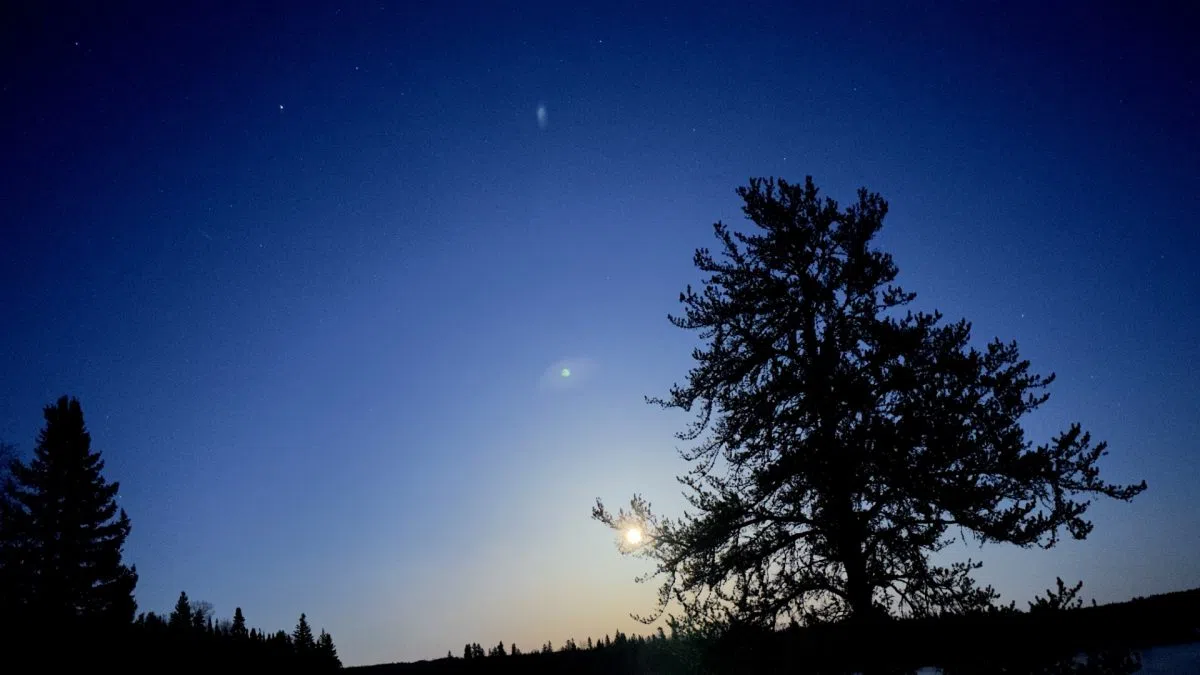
1009	642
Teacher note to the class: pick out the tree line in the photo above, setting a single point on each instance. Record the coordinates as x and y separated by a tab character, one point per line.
67	595
190	629
614	653
473	650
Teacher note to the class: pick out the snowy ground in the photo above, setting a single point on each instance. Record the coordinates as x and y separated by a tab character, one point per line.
1174	660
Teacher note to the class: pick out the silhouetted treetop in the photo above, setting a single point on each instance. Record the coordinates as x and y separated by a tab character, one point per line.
838	436
181	616
238	629
327	656
302	637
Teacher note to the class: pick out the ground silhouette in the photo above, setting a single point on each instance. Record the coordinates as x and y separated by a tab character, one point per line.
1045	638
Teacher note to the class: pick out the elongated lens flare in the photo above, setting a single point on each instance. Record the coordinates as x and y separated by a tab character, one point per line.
568	374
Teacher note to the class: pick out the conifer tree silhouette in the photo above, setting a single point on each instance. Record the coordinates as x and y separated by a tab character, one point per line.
63	532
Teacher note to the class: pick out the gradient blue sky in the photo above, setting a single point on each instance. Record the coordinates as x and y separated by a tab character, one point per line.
307	269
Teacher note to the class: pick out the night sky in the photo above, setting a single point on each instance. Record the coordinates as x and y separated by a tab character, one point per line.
314	273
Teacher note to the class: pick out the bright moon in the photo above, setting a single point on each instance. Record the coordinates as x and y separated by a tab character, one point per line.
633	535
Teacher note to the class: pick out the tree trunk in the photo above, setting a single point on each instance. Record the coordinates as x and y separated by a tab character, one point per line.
858	587
852	545
863	626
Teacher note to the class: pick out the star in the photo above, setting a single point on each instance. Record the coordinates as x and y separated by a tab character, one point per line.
281	106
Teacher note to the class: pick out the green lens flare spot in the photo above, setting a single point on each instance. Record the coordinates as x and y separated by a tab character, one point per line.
566	372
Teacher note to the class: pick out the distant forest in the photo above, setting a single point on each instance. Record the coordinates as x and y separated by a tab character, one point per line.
191	630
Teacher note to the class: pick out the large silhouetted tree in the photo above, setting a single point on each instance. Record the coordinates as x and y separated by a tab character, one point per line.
64	532
12	544
839	439
8	454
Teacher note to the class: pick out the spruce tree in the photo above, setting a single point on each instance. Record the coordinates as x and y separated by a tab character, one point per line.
239	623
327	652
63	531
302	637
181	617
